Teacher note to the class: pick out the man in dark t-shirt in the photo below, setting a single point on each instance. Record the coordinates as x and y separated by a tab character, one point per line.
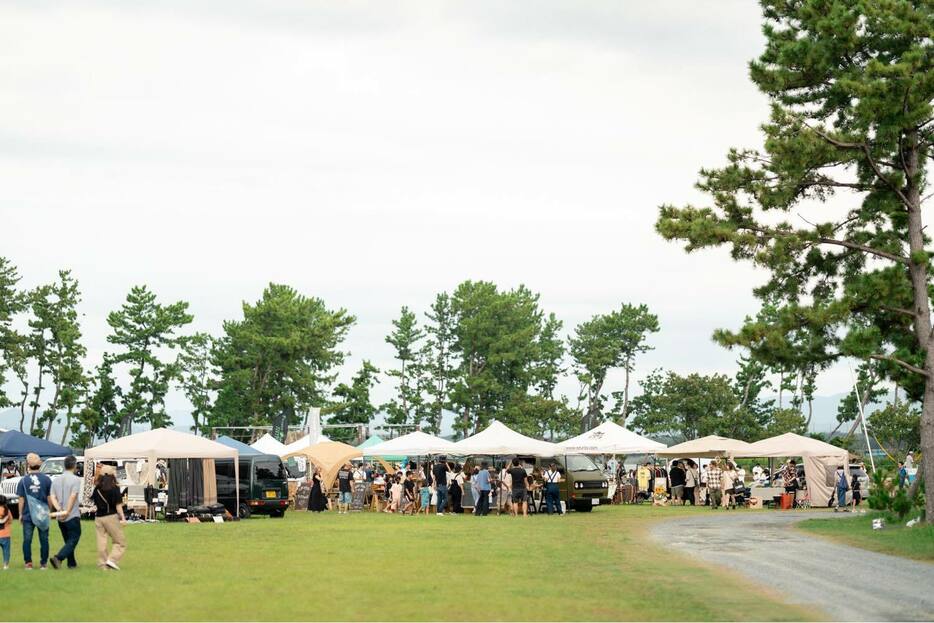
439	474
676	478
520	483
344	488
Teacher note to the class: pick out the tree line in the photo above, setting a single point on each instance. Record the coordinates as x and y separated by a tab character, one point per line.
478	352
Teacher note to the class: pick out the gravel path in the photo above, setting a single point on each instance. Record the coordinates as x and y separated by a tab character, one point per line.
847	583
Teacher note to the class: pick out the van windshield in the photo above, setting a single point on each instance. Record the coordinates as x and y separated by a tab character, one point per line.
269	470
581	463
53	468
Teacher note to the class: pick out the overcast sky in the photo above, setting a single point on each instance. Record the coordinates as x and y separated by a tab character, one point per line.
376	153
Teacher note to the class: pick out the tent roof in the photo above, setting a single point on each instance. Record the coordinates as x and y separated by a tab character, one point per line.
267	444
161	443
304	442
415	443
499	439
14	444
239	446
791	444
372	440
707	447
328	456
611	438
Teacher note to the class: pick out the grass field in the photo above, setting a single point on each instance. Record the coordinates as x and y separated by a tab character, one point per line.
597	566
895	538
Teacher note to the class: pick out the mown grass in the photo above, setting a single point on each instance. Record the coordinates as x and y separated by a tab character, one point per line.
916	542
597	566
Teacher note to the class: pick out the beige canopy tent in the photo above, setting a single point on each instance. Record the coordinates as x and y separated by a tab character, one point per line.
706	447
165	443
329	456
821	460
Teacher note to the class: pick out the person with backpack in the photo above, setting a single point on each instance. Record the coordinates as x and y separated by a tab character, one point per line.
35	497
842	486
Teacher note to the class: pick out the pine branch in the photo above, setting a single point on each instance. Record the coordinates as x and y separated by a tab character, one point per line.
901	363
831	241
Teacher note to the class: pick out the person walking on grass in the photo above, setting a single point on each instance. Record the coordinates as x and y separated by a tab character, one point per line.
690	482
6	530
408	493
714	492
483	486
552	478
108	519
344	488
440	476
677	478
34	491
65	492
520	489
425	494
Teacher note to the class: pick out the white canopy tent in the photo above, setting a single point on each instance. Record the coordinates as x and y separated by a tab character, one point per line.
415	443
164	443
611	438
267	444
300	444
821	460
706	447
499	439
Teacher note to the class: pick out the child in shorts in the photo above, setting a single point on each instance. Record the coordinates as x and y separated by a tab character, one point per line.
425	493
6	523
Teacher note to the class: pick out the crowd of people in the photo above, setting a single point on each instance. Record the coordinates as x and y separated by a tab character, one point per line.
40	501
441	485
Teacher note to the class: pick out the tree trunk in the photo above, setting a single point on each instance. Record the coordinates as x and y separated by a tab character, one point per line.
22	405
917	269
622	417
67	425
38	392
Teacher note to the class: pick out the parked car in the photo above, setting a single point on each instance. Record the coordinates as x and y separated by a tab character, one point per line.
263	485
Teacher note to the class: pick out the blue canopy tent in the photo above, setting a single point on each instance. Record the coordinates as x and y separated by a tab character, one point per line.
239	446
16	445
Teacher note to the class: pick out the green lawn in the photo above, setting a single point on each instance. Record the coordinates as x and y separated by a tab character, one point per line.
597	566
895	538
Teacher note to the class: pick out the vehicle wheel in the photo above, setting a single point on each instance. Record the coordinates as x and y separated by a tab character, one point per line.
584	509
244	511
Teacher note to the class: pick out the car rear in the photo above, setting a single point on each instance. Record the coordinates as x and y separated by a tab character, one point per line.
269	486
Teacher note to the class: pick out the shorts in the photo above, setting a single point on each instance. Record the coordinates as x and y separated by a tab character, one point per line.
519	496
345	497
677	491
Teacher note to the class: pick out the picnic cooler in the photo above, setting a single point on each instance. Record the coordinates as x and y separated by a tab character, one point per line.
788	501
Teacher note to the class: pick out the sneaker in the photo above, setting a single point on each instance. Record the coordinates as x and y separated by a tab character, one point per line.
56	563
112	565
43	568
5	567
440	514
28	566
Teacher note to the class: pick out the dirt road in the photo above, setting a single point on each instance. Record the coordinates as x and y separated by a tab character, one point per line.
847	583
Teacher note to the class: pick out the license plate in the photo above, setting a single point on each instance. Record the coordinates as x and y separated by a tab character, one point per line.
595	501
271	494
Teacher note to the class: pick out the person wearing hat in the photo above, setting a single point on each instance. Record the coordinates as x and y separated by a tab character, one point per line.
35	498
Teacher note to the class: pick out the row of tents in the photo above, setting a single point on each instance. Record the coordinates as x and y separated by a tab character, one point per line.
497	439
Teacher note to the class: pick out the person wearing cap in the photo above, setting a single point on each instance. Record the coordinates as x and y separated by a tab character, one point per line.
35	498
